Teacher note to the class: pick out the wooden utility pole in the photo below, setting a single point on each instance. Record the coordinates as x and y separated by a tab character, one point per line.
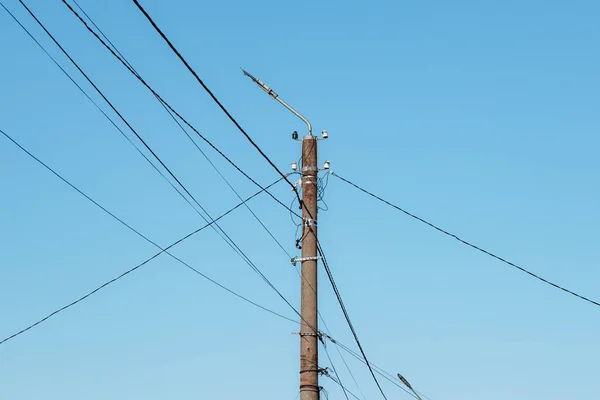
309	333
309	340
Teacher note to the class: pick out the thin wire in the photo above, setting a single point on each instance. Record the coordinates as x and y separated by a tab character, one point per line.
94	103
164	103
139	6
339	381
174	111
341	355
346	390
380	371
118	113
125	273
219	230
122	222
345	311
257	148
239	251
469	244
186	133
102	111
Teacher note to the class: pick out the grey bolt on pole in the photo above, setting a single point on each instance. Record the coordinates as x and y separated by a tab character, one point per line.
309	340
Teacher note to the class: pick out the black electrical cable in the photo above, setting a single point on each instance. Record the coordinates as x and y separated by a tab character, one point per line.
222	233
346	316
380	371
176	112
186	122
259	150
346	390
163	250
96	104
216	100
339	381
98	107
340	354
469	244
164	103
137	232
120	116
186	133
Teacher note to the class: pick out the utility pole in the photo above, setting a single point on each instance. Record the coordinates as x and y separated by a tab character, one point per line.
309	333
309	340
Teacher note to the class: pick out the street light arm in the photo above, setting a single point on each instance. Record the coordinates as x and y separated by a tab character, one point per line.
275	96
407	384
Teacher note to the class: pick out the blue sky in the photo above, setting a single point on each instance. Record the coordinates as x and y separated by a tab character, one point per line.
479	116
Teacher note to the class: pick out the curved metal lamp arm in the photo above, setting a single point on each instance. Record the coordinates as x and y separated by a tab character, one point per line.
275	96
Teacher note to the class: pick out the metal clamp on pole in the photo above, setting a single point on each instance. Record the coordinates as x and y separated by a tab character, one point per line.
309	180
310	222
307	334
299	259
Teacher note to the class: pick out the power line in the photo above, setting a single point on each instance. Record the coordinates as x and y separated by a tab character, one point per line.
93	102
186	133
252	142
378	370
221	233
341	356
97	89
115	110
122	222
185	121
339	381
216	100
174	49
218	229
468	243
138	76
163	250
264	155
346	316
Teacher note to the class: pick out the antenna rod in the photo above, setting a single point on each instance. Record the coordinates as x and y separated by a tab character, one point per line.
275	96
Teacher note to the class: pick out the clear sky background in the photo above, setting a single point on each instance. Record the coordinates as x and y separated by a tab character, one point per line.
479	116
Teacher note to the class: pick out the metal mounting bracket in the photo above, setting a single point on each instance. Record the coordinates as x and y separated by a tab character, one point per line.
300	259
310	222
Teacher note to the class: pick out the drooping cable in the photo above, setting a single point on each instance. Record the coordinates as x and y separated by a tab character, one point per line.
130	66
346	316
185	121
163	250
252	142
96	104
215	226
215	99
341	355
345	389
137	232
339	381
378	370
271	163
452	235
